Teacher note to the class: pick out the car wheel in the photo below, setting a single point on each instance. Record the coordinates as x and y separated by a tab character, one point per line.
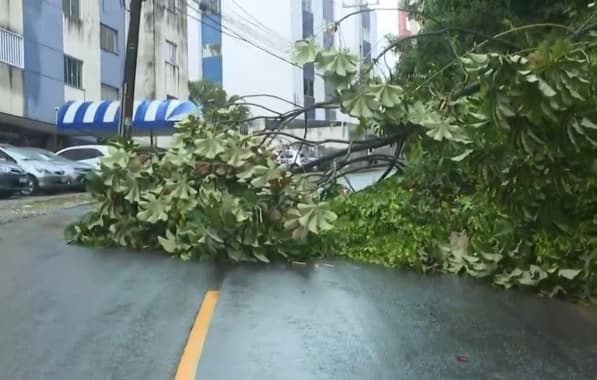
32	186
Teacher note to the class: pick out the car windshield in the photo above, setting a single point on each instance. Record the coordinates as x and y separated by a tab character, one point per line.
32	154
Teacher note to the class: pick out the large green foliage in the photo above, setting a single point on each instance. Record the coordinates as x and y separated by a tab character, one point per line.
216	105
214	193
500	182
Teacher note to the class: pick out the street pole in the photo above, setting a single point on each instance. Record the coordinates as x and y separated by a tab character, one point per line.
130	71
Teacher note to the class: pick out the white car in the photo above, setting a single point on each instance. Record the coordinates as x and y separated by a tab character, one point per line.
89	154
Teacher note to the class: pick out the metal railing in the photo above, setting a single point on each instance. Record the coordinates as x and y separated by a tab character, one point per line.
11	48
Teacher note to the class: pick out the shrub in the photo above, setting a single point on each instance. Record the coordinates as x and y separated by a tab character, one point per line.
214	193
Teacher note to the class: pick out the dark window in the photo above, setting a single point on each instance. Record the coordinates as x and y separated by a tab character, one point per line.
328	39
171	49
70	8
171	97
81	154
308	86
330	113
309	102
172	6
110	92
210	6
307	5
366	49
108	39
212	50
366	19
73	72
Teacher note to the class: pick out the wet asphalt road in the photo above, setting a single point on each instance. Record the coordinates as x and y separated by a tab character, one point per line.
74	313
362	322
68	312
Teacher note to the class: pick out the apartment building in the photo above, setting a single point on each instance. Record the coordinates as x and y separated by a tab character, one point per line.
54	51
246	45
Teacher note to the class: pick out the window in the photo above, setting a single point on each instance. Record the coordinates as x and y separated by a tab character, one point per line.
308	86
110	92
11	48
171	53
77	154
70	8
73	72
108	39
172	6
328	10
171	97
307	5
212	50
328	39
210	6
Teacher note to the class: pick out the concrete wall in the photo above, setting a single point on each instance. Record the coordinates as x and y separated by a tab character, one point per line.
12	84
44	58
81	41
112	65
156	79
11	15
194	40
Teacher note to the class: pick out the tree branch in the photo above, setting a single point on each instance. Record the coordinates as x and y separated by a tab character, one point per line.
374	143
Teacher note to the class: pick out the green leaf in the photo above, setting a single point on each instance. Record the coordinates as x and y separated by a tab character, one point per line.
546	89
585	122
210	146
261	257
340	63
569	274
152	209
169	243
462	156
360	105
118	158
305	52
389	95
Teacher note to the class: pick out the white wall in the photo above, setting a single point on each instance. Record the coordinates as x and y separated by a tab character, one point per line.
155	79
11	78
81	41
248	70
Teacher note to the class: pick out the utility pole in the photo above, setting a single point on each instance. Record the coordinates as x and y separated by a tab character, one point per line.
130	71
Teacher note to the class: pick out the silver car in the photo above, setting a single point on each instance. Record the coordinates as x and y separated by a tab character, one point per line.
45	170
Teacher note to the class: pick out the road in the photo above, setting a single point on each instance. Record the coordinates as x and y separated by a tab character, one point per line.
77	313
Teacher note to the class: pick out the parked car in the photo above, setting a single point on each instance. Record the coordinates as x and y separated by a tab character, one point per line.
88	154
290	157
13	179
45	170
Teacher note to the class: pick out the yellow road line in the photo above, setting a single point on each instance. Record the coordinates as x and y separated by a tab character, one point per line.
187	367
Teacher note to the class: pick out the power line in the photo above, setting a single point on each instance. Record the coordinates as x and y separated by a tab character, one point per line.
246	28
258	23
241	38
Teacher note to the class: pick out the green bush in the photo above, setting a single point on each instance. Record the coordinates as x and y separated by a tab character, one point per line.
214	193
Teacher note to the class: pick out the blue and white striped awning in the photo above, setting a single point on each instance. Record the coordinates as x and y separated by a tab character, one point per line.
105	115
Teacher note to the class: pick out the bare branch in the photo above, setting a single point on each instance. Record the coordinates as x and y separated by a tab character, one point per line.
262	107
374	143
269	96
